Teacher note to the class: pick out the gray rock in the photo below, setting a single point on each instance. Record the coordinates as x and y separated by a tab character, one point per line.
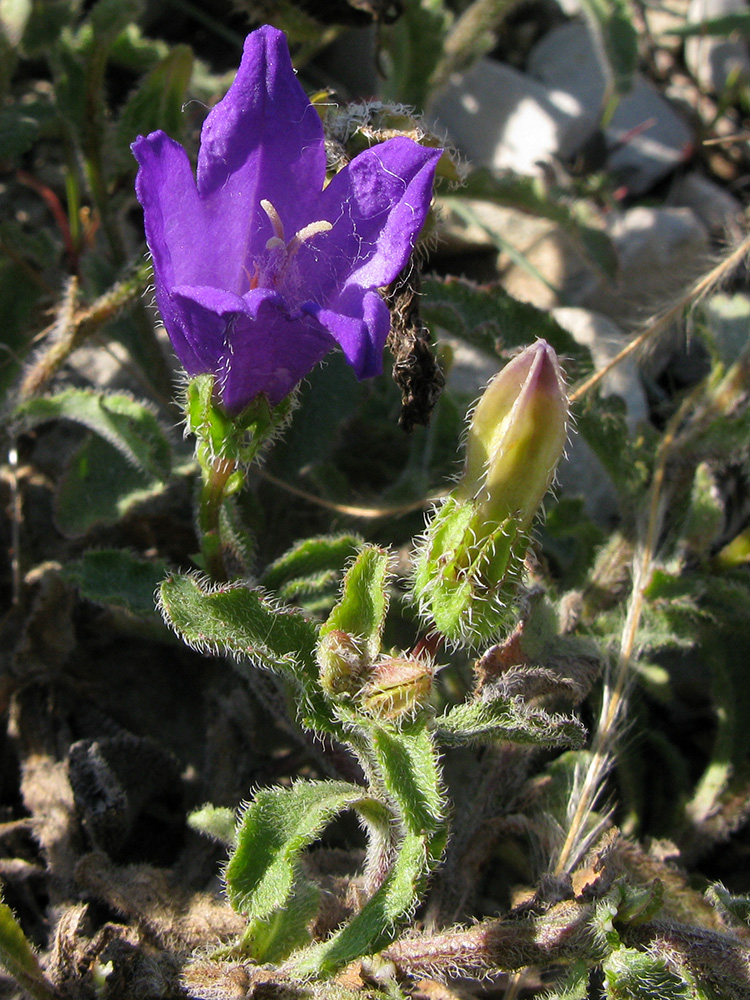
660	251
646	136
581	473
605	340
718	210
713	61
506	120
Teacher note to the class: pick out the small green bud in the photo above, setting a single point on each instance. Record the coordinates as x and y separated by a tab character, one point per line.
398	687
473	549
341	664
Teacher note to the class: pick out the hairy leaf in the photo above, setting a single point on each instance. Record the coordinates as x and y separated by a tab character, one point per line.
376	924
128	425
408	762
274	830
115	576
311	567
490	319
19	959
99	487
238	620
364	601
508	719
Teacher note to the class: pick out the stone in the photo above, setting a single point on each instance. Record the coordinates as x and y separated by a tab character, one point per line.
714	207
582	473
646	137
660	251
506	120
716	61
536	259
605	340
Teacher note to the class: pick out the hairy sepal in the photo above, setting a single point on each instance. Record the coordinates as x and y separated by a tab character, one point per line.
466	572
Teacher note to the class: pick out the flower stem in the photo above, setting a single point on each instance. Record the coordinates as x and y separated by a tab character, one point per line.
216	486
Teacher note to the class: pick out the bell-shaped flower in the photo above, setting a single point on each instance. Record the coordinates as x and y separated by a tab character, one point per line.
261	268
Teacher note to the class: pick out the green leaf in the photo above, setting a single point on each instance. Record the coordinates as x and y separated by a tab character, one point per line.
99	487
47	20
274	830
18	133
109	17
312	566
612	22
490	319
216	822
271	939
377	923
413	47
510	720
19	959
726	25
729	905
128	425
408	762
364	601
117	577
601	422
240	621
157	103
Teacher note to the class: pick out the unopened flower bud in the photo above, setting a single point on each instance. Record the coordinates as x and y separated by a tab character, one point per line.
398	687
341	664
474	546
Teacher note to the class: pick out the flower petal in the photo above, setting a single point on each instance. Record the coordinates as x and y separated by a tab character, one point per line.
172	211
359	321
377	206
256	344
264	140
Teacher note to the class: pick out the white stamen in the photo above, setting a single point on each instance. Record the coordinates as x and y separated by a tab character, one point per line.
306	233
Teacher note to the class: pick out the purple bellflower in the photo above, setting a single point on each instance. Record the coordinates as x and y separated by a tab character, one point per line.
260	268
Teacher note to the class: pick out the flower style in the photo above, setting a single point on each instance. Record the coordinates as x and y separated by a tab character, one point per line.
260	269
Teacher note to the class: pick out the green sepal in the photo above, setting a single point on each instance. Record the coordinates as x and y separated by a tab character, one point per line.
630	974
273	831
379	920
463	580
128	425
18	957
510	720
361	611
236	438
